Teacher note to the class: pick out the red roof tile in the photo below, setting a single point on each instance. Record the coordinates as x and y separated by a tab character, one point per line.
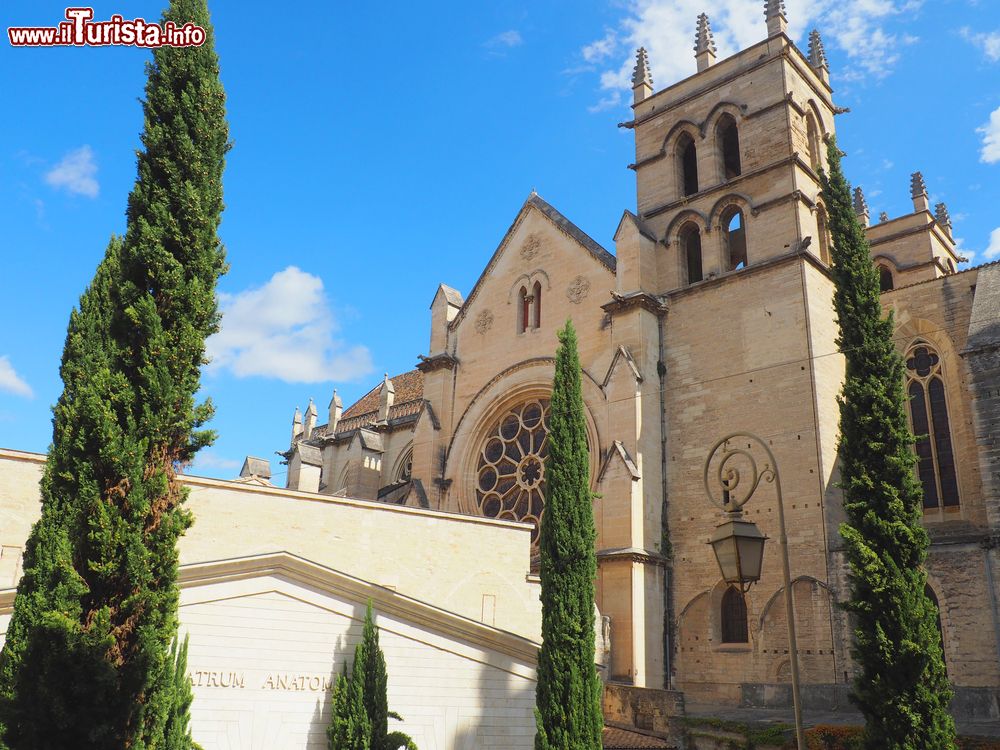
623	739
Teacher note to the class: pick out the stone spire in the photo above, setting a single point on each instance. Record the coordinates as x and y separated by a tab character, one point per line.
817	55
642	79
943	218
918	191
774	14
310	423
336	410
296	425
704	43
386	398
861	206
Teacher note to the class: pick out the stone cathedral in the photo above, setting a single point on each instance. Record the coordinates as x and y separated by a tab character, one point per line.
713	314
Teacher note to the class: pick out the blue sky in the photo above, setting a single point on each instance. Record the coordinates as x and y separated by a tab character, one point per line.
379	149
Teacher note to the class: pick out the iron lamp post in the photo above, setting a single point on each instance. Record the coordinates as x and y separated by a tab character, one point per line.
739	545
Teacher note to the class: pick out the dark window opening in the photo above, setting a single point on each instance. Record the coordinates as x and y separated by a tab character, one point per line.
824	237
691	247
885	282
537	301
734	617
524	310
729	143
689	165
812	136
735	237
936	465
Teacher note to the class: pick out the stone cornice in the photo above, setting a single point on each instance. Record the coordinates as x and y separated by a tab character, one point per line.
631	554
622	302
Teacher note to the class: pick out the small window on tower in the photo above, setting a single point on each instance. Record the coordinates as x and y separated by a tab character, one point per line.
735	237
688	154
728	140
885	283
690	242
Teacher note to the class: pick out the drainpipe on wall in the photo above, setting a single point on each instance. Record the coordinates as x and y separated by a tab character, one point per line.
668	553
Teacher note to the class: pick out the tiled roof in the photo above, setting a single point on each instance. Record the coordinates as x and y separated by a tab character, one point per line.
409	387
623	739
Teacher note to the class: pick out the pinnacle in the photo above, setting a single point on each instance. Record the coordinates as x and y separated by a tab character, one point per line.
917	185
860	204
942	216
774	8
817	53
704	41
641	74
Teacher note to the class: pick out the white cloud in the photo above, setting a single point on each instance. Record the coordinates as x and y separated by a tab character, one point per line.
612	100
284	329
993	251
76	173
989	43
990	153
11	382
207	459
510	38
667	27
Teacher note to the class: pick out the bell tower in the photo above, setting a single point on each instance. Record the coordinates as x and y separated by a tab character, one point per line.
729	250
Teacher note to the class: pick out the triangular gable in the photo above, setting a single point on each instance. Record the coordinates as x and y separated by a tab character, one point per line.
617	450
561	223
635	222
622	355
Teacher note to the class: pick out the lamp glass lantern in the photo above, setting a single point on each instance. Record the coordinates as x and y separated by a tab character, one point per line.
739	550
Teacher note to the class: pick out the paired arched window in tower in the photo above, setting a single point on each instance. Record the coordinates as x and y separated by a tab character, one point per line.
734	238
690	244
885	283
734	617
929	420
529	307
727	138
687	157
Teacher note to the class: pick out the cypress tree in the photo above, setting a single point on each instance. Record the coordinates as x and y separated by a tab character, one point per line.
177	732
86	663
568	694
360	716
901	686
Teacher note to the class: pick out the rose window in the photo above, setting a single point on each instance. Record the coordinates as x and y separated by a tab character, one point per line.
511	466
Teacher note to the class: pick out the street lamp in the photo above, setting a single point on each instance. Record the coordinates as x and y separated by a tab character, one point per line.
739	545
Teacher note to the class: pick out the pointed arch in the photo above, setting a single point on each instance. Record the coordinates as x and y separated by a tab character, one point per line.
727	144
523	309
824	233
689	239
734	617
536	303
929	419
734	237
885	280
687	164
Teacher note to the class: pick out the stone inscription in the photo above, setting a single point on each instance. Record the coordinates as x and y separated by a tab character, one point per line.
271	681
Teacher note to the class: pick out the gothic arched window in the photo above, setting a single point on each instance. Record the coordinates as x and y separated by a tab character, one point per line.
813	142
688	162
824	235
885	282
523	310
735	239
929	419
690	242
727	138
536	301
734	617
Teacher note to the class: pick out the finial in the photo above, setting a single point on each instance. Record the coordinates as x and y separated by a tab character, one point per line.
817	53
387	397
336	410
918	191
774	14
883	217
296	425
861	206
641	75
704	43
942	216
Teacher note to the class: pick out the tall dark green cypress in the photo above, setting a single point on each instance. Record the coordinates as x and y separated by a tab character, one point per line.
86	663
901	686
568	694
